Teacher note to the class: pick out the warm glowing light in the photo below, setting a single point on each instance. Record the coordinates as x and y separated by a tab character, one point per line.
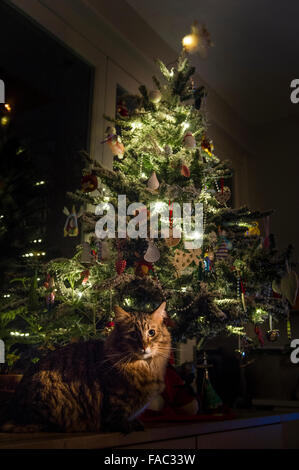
40	183
7	107
190	41
4	121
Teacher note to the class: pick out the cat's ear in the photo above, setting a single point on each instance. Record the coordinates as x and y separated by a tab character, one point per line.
159	314
121	314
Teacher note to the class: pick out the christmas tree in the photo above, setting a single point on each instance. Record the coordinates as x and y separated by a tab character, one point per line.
216	278
158	226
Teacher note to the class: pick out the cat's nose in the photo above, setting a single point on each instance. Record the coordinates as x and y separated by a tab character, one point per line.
145	350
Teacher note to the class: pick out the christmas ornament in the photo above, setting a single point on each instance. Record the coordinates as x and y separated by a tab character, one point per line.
89	183
85	275
114	142
272	335
49	284
223	248
109	327
210	400
153	183
142	268
198	41
183	259
120	266
155	96
223	195
254	230
287	287
189	141
208	261
71	224
152	254
122	109
185	171
207	145
171	241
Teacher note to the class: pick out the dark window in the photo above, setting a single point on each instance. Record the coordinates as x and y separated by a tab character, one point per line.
49	89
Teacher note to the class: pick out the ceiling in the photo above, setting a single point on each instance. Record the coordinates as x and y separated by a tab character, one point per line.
256	52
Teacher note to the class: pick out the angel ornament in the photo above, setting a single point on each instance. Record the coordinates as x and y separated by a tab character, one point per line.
71	223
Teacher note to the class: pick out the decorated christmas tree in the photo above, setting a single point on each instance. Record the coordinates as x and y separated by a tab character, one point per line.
160	226
216	275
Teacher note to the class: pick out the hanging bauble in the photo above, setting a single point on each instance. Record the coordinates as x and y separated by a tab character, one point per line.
207	145
254	230
114	142
185	171
273	335
189	141
223	195
155	96
89	182
152	254
120	266
142	268
153	183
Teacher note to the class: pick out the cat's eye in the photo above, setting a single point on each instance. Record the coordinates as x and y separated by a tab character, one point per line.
151	332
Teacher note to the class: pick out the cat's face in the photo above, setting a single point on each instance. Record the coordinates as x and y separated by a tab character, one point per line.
141	336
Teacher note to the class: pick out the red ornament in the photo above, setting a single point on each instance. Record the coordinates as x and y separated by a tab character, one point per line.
120	266
185	171
85	275
89	183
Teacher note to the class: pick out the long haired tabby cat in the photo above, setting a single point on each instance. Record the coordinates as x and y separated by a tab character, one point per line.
95	386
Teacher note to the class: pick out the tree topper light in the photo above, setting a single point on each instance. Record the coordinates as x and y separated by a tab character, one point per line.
198	41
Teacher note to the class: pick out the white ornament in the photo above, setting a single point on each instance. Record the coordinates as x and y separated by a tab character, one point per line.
152	254
153	182
155	96
189	141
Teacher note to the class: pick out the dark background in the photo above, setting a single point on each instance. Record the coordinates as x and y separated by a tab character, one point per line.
50	91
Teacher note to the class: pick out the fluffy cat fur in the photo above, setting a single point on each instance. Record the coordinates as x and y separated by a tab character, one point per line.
95	386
